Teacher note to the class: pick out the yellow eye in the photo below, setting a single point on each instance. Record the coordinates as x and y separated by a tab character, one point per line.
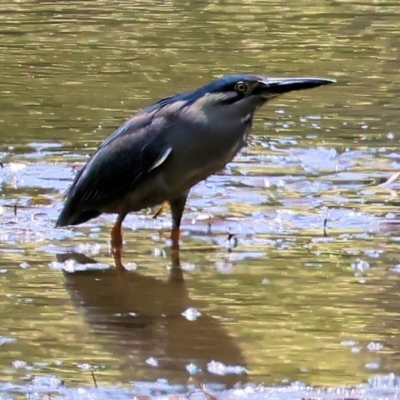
241	87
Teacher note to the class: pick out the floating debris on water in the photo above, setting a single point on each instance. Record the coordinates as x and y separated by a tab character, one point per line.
360	266
153	362
6	340
73	266
191	314
219	368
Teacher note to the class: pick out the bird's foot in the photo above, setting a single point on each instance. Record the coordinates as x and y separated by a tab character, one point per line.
117	255
176	273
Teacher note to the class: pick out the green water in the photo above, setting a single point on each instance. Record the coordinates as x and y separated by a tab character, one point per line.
288	303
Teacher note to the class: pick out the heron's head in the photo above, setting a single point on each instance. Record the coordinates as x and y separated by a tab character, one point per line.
232	97
242	94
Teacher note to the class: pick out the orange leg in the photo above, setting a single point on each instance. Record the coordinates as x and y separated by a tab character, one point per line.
175	234
177	207
116	241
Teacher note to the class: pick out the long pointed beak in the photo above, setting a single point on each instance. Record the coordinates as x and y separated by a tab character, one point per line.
271	87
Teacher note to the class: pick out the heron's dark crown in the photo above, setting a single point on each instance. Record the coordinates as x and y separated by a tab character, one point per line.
224	84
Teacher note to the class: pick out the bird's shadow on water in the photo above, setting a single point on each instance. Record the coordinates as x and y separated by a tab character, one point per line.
153	326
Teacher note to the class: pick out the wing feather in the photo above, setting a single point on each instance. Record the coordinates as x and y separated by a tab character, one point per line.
121	162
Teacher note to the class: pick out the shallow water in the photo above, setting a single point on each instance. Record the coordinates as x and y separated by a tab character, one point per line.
291	301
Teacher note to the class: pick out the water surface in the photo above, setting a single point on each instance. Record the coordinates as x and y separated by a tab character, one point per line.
290	302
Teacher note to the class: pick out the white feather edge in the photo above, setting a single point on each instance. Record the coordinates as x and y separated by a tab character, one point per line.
161	159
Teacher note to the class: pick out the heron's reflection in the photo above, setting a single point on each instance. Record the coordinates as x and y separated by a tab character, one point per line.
143	321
